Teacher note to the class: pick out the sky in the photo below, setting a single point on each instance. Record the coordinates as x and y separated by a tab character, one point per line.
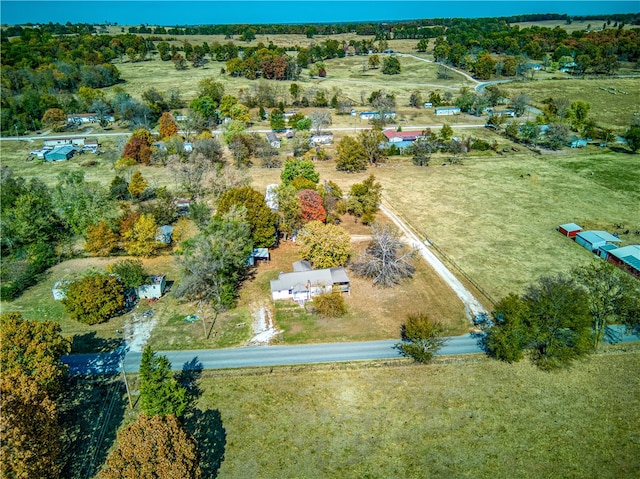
199	12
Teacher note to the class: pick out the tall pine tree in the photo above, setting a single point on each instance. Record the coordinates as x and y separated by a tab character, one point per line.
160	393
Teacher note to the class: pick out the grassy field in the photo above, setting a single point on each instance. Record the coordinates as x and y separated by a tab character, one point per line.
613	101
479	418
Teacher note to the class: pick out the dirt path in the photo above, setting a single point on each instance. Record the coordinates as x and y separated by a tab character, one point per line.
264	328
472	306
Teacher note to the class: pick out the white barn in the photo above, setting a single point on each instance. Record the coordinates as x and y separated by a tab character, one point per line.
154	289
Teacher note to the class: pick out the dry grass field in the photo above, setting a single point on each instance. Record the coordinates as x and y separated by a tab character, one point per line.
479	418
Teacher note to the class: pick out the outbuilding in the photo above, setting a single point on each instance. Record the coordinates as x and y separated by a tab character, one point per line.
446	110
626	258
163	234
273	140
153	289
61	153
569	229
592	240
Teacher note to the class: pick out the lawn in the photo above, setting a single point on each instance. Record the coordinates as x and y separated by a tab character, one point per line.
479	418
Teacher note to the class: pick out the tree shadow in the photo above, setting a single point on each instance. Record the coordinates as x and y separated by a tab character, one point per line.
91	411
205	426
208	430
90	343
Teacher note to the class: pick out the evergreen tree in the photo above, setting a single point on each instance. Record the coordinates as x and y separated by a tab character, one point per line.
160	393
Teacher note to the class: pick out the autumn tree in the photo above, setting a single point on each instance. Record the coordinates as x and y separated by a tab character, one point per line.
153	447
140	239
31	382
94	299
138	147
422	337
101	240
331	305
325	246
54	118
386	260
259	217
311	207
352	156
168	127
137	184
374	61
484	67
160	393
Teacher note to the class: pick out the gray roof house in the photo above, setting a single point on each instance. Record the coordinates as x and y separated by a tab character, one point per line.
305	283
163	234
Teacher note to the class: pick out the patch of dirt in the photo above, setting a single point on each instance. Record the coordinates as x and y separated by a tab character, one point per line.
138	327
264	329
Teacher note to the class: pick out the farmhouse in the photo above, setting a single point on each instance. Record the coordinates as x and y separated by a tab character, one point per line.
447	110
397	136
569	229
375	115
592	240
626	258
305	283
61	153
273	140
154	289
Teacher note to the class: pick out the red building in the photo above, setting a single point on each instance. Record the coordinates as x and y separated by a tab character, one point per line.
569	229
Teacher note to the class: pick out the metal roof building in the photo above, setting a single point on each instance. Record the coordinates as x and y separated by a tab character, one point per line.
627	258
60	153
592	240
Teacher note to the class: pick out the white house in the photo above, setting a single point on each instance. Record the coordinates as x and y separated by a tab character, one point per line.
273	140
322	139
447	110
154	289
304	283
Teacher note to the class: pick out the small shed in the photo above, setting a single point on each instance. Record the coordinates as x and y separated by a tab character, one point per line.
163	234
183	205
592	240
273	139
569	229
61	153
154	289
59	289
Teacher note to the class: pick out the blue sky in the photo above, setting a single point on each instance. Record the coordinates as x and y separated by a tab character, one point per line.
172	12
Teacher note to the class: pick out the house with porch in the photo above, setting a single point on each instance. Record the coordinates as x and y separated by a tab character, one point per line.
305	282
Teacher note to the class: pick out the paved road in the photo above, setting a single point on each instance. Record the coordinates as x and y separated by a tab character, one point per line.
265	356
259	356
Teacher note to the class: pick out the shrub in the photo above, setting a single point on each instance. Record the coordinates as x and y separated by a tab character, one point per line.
421	337
95	298
331	304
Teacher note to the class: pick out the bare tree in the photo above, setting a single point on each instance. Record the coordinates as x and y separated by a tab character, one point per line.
386	259
320	119
190	172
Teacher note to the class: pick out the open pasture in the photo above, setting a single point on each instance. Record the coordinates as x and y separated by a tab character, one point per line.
613	101
496	217
472	419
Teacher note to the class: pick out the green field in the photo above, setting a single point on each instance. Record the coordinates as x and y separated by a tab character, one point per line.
479	418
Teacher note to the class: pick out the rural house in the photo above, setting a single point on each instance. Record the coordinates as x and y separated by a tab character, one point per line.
592	240
304	282
569	229
447	110
154	289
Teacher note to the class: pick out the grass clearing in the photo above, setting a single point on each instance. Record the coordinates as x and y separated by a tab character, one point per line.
478	418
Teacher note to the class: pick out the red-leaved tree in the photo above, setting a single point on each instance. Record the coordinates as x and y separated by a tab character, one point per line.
311	206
